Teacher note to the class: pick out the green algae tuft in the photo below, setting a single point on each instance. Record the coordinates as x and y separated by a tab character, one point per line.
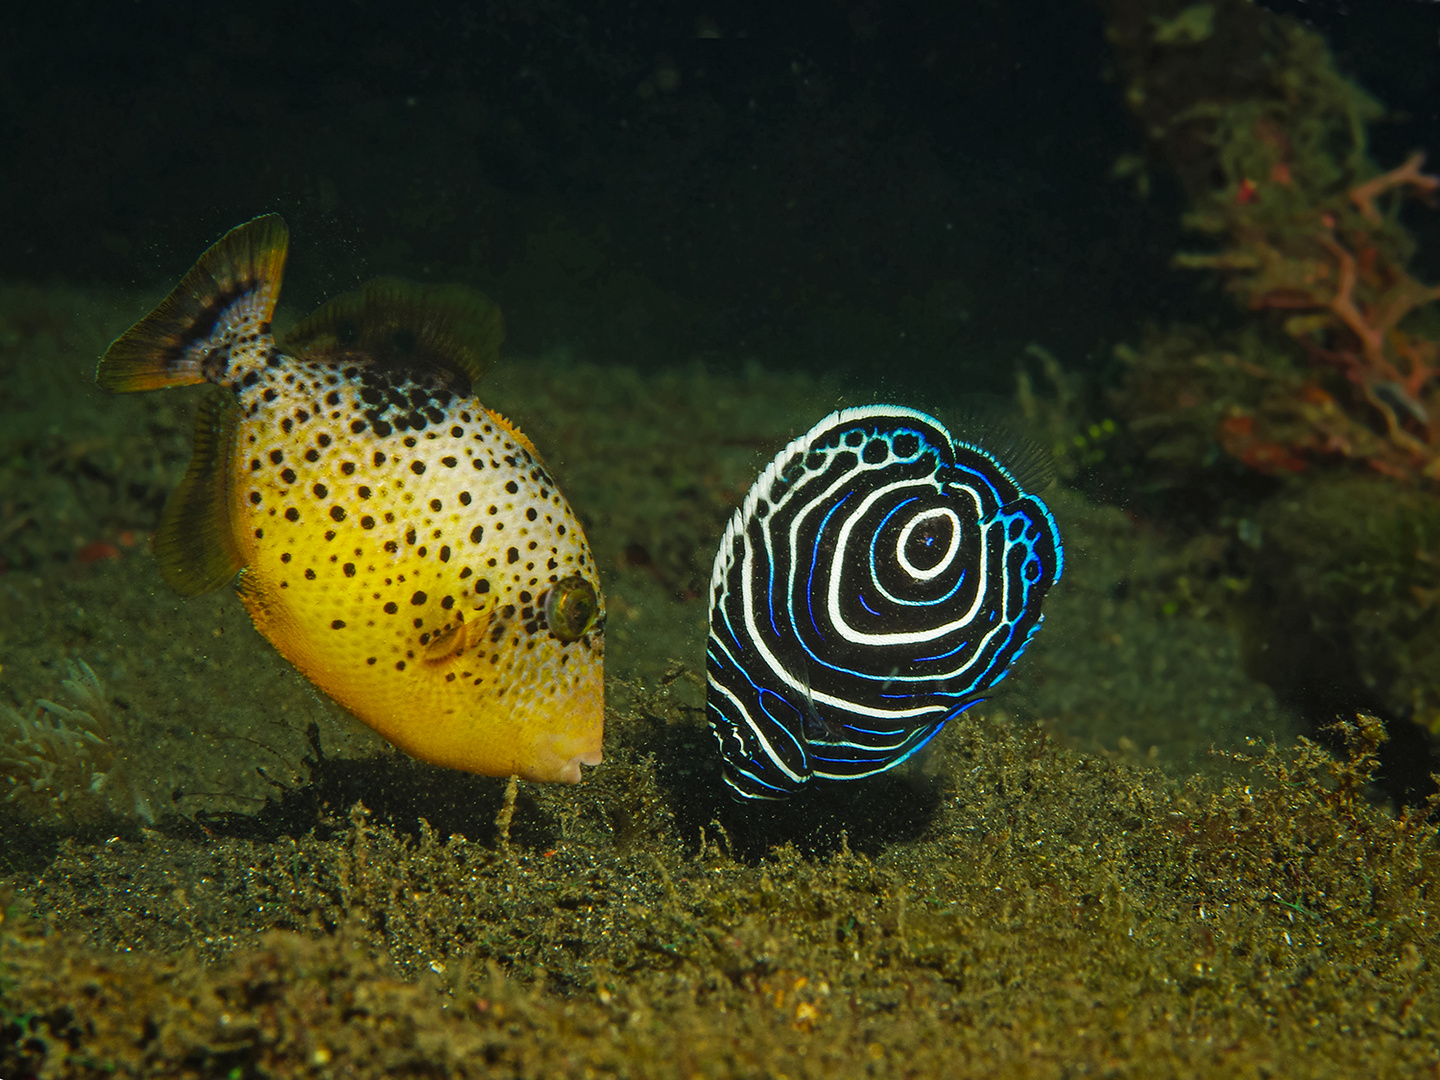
1058	909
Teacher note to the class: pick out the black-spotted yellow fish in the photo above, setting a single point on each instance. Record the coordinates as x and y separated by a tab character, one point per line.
398	542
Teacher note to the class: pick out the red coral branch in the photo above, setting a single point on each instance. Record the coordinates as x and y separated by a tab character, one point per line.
1384	385
1371	338
1364	195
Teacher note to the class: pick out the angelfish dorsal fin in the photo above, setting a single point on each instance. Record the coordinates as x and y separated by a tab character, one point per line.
989	423
403	325
195	542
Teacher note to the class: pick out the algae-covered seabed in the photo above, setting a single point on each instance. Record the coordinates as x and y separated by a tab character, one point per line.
1071	882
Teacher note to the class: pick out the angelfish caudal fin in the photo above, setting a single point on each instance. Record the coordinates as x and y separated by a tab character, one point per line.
229	294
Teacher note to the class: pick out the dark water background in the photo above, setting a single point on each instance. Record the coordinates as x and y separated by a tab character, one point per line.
814	157
941	169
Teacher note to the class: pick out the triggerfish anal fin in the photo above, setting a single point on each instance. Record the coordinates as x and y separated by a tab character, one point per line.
403	326
229	293
195	541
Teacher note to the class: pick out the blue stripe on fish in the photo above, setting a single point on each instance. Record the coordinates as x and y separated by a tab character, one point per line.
879	579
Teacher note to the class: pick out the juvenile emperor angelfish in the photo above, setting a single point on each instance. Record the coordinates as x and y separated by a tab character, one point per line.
398	542
879	578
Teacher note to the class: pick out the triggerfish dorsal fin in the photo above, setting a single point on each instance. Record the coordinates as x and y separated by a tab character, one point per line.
228	294
515	433
195	542
402	325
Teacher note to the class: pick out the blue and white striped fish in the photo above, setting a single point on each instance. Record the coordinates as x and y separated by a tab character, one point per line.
879	579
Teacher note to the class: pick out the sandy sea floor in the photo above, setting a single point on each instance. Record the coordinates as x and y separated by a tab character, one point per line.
238	879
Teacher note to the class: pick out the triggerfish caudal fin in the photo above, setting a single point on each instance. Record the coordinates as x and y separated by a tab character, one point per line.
227	296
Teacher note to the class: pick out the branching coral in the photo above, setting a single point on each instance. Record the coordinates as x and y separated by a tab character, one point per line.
1306	234
62	762
1333	383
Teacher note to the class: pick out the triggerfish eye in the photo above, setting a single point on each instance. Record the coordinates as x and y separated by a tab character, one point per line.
571	608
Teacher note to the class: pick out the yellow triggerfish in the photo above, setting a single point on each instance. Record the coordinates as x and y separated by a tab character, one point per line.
398	542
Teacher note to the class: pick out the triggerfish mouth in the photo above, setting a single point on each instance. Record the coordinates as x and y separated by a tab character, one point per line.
399	543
